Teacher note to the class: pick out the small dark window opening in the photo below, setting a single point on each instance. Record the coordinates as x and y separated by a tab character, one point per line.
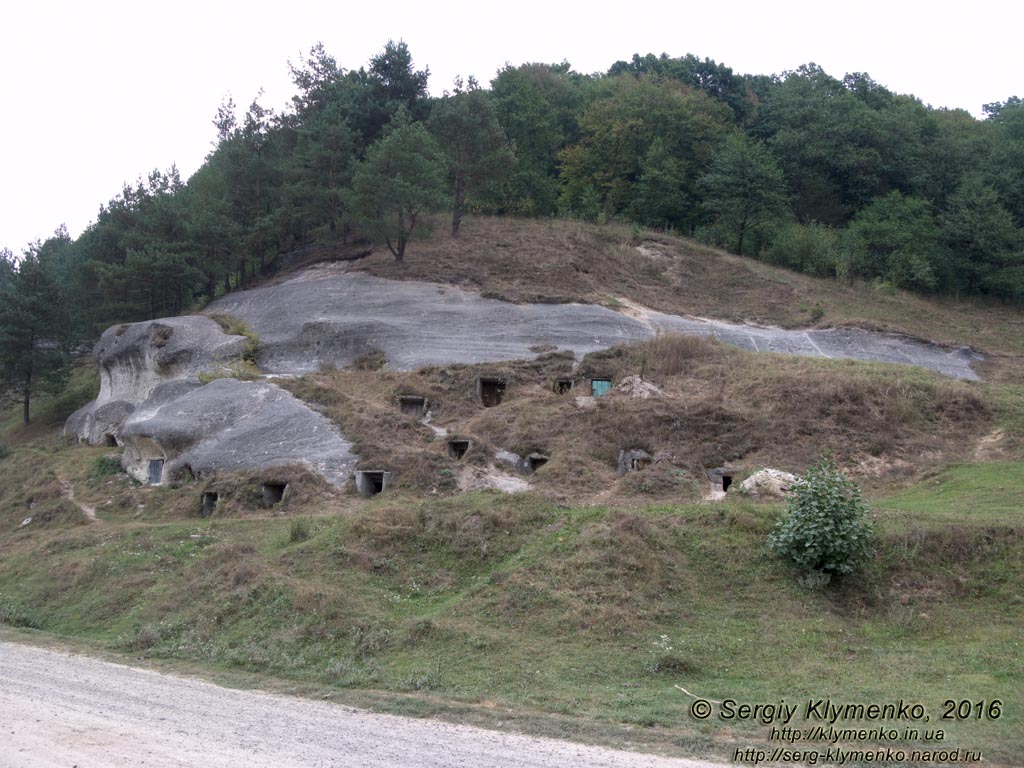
156	471
562	386
457	448
600	387
491	391
371	483
110	441
412	406
535	461
210	499
721	478
273	493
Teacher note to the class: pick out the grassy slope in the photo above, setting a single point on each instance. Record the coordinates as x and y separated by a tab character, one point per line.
543	613
524	607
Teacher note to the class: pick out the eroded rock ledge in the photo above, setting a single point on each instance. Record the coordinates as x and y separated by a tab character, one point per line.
172	426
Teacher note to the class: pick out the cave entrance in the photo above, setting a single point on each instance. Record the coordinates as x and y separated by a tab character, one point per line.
210	499
491	390
412	405
457	448
371	482
273	493
156	471
634	460
535	461
110	441
600	386
721	478
562	386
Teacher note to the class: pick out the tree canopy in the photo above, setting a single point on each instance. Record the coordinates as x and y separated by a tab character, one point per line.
836	176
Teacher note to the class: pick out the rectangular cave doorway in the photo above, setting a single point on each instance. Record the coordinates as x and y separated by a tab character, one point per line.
273	493
371	482
721	478
634	460
109	440
457	448
210	499
563	386
412	405
156	471
491	390
600	386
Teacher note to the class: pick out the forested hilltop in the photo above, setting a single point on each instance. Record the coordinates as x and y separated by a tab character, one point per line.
837	178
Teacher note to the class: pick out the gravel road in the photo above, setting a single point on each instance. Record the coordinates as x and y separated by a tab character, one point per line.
64	711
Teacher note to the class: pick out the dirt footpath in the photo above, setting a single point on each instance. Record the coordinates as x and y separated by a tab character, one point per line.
64	711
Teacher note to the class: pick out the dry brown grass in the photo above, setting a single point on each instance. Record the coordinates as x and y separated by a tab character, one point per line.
719	406
527	260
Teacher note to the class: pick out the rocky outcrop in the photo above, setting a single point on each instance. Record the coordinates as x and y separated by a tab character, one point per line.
136	359
325	316
229	425
173	427
769	484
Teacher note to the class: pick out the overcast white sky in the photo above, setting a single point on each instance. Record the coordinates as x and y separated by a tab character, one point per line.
94	94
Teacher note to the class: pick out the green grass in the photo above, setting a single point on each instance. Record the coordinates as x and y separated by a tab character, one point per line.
993	493
581	618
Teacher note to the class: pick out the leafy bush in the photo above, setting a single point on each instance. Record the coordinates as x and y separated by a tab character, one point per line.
826	528
104	467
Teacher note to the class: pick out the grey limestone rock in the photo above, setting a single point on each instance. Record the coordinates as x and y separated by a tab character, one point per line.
229	425
324	317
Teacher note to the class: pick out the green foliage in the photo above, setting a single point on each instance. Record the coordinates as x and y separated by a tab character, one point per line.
104	467
537	106
34	325
744	193
826	528
16	614
300	530
401	178
812	248
896	238
980	233
478	152
617	131
659	198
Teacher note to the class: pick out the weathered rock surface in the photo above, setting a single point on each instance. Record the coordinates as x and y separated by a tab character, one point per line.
153	404
326	316
135	359
228	425
769	484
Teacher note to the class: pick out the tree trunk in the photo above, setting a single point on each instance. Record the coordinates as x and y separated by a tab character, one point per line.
27	397
458	197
